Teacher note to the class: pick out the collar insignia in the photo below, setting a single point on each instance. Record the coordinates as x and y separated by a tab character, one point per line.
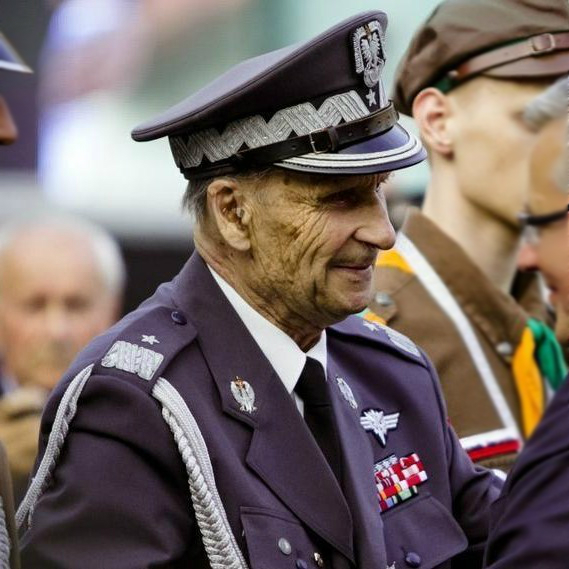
378	423
244	394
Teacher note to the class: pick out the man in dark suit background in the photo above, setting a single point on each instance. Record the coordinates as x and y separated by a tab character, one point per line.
530	522
238	418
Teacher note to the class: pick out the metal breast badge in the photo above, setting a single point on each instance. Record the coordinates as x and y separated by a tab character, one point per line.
346	392
244	394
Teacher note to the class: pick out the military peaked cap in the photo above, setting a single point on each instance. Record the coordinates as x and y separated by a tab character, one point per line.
318	106
519	39
9	57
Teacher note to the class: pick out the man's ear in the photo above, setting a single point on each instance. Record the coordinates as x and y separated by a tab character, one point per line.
227	207
432	111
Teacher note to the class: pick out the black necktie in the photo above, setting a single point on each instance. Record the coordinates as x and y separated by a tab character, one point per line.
311	388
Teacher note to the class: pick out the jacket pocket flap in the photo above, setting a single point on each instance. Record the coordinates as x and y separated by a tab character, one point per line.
422	532
277	541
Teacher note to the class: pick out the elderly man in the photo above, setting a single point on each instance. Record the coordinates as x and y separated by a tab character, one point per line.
237	418
451	283
531	520
545	247
61	282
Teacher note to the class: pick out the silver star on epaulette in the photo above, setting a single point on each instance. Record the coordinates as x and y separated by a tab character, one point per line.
379	423
150	339
370	325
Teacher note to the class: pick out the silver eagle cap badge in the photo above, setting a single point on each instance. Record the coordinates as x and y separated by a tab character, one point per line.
379	423
368	55
244	394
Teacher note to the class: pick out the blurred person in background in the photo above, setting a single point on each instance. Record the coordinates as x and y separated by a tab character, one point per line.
451	282
61	284
10	61
530	522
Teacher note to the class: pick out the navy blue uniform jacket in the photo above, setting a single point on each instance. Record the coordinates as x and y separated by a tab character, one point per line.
118	497
530	521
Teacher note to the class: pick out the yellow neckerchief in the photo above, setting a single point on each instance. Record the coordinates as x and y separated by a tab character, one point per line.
526	373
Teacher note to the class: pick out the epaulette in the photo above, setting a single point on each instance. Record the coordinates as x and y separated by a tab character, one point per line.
142	345
381	334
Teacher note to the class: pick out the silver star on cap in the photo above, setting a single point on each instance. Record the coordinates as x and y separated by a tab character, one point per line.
371	100
377	422
150	339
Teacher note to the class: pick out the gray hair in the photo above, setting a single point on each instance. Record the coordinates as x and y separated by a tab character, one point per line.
195	197
105	248
552	104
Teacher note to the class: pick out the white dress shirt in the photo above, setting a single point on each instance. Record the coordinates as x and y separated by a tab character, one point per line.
280	349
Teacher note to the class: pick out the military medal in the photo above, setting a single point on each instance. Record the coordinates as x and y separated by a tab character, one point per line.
396	479
346	392
244	394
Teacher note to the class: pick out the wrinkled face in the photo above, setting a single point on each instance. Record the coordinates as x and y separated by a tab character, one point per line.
314	241
547	249
492	143
52	303
8	131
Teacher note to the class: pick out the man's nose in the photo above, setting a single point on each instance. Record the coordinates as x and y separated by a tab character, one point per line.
57	324
8	130
527	257
375	227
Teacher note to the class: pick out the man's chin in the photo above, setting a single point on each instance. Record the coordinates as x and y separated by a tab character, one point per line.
349	306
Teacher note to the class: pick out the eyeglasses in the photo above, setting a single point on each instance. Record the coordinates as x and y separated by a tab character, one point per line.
532	225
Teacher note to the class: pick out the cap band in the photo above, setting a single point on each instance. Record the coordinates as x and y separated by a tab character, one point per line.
536	46
324	140
255	132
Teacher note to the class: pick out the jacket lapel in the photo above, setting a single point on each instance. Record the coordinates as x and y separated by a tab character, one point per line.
357	477
282	451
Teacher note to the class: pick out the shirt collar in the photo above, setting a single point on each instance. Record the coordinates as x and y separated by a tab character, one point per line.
280	349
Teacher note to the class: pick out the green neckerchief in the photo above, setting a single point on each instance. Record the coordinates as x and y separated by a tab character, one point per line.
548	353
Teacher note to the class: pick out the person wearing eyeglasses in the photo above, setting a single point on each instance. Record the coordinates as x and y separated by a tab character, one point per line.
545	246
531	519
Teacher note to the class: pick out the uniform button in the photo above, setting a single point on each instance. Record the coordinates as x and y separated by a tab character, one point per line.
505	349
413	559
301	564
318	559
179	317
383	299
284	546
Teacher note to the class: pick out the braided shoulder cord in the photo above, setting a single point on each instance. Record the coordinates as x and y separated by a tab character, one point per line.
4	539
65	413
219	542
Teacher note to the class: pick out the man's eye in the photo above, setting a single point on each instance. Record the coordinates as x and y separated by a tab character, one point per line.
343	197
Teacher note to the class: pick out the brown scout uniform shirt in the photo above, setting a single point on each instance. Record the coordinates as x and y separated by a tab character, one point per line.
497	319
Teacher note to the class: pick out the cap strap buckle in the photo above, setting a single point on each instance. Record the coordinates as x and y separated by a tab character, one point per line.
542	44
323	140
